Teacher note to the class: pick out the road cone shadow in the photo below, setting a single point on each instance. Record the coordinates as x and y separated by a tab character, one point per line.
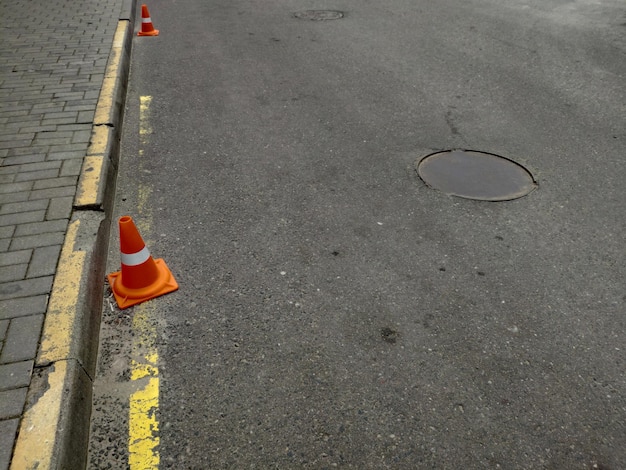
141	277
146	23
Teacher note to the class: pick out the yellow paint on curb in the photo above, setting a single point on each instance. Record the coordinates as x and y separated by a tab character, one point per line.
89	182
107	92
62	309
35	445
99	140
92	170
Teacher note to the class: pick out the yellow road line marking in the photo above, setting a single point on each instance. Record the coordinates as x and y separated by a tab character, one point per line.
144	123
143	425
144	115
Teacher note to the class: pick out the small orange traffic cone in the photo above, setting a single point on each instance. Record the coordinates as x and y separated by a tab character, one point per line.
146	23
141	278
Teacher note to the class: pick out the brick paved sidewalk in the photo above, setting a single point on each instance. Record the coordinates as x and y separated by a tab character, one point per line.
53	56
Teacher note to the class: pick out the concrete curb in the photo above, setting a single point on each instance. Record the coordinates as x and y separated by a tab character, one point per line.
54	431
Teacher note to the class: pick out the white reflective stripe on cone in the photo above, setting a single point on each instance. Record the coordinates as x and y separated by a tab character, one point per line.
135	259
146	20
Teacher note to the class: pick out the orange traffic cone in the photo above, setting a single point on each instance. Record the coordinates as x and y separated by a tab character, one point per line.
141	278
146	23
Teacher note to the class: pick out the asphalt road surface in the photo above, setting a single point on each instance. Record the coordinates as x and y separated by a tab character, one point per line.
336	311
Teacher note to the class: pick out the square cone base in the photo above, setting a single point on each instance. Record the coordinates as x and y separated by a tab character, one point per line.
154	32
128	297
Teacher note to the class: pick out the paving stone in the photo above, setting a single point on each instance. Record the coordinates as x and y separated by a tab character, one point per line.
14	272
25	288
52	192
15	113
81	136
38	228
67	151
15	257
86	116
13	308
16	374
7	231
22	217
59	120
71	167
4	326
55	86
56	106
8	170
53	138
15	106
14	197
38	129
37	175
28	151
11	144
82	105
44	261
76	127
7	178
60	208
8	431
39	166
16	187
70	95
34	241
22	339
12	402
56	182
27	206
18	136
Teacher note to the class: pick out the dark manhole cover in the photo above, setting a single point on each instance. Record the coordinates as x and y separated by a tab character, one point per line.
476	175
319	15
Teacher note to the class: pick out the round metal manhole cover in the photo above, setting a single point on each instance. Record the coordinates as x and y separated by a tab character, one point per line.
319	15
476	175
